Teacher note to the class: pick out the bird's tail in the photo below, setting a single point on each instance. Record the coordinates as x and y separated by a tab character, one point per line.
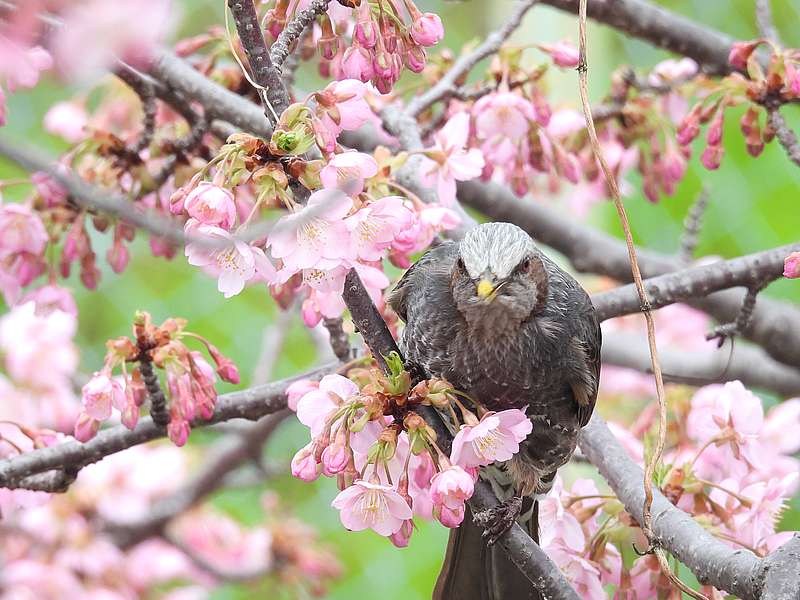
474	571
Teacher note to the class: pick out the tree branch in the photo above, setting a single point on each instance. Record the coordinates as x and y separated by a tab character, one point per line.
250	404
661	28
712	561
281	48
748	364
775	325
695	282
264	73
461	68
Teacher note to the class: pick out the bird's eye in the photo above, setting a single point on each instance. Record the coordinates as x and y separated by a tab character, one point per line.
523	266
460	263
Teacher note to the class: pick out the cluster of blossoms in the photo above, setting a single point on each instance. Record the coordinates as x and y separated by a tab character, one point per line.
350	221
385	457
363	39
751	84
190	379
729	466
57	547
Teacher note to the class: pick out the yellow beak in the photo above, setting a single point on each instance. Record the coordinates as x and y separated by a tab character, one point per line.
485	289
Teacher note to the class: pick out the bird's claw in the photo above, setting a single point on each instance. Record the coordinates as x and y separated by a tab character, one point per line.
499	519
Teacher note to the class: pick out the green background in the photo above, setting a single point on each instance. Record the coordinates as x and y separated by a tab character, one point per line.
754	205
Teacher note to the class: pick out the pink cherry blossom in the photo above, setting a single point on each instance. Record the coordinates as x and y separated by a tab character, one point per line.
234	262
86	427
211	205
495	438
564	54
21	231
95	33
672	70
374	227
347	172
791	266
781	427
317	231
450	517
67	120
357	63
297	390
402	536
20	66
49	189
345	100
503	115
451	487
314	408
366	505
449	161
50	298
427	29
100	394
38	348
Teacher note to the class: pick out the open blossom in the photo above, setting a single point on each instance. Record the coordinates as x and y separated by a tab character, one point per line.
366	505
297	390
95	33
347	172
67	120
342	106
234	263
20	66
22	231
100	394
314	408
211	205
449	160
791	266
317	231
495	438
304	466
374	227
451	487
38	348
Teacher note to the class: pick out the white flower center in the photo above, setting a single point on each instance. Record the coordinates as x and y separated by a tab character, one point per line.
487	444
372	506
231	260
313	231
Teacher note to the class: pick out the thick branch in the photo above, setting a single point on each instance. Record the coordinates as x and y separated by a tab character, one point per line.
449	83
264	72
661	28
712	561
748	364
696	282
251	404
218	103
775	325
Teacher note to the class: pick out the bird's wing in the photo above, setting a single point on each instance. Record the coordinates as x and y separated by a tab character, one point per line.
413	281
584	346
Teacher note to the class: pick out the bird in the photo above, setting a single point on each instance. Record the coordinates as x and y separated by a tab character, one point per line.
503	323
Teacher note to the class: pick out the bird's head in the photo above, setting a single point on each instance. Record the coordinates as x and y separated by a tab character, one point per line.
499	275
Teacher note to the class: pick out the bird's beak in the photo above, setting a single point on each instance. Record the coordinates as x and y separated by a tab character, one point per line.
485	289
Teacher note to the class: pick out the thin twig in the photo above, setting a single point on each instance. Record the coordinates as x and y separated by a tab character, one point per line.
294	29
742	321
583	84
692	225
449	82
766	24
338	338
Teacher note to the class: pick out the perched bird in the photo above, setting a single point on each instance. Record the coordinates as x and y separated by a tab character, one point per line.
502	322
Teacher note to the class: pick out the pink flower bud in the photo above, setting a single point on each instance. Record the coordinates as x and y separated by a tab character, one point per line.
427	29
791	266
178	431
451	487
740	53
303	464
714	132
130	414
51	192
86	427
712	157
416	59
357	63
118	256
564	54
67	120
366	32
792	78
450	517
401	537
335	457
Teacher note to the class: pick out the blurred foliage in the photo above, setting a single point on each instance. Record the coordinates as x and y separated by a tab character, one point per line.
753	206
